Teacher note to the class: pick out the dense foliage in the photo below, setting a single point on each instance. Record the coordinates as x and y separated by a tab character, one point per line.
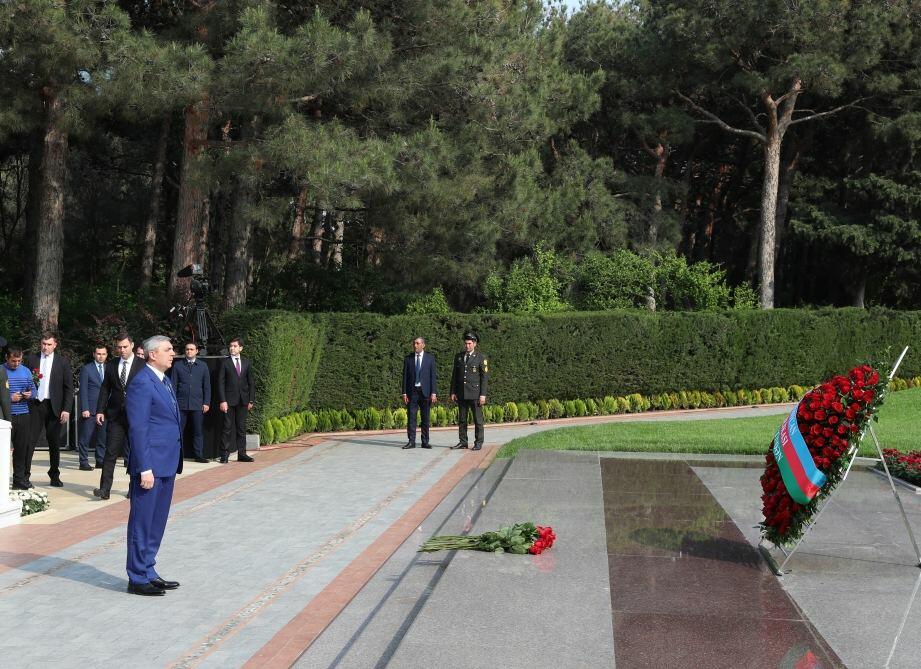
347	156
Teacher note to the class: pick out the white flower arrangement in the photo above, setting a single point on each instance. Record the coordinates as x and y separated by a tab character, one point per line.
32	501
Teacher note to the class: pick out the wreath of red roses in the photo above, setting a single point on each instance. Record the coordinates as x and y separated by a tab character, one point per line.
832	418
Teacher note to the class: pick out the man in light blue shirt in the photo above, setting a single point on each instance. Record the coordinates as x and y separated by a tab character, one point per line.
22	388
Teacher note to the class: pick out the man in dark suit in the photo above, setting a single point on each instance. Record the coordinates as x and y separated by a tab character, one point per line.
110	407
192	382
91	434
468	388
419	390
235	392
153	462
52	402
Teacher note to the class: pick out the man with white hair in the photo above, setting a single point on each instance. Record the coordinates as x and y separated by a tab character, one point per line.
154	461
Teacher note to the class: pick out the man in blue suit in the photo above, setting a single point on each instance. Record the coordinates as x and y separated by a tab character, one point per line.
154	461
192	382
91	434
419	390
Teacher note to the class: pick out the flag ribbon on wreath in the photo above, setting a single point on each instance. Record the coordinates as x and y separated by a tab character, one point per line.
800	475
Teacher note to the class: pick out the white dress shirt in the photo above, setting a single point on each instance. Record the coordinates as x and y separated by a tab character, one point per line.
44	368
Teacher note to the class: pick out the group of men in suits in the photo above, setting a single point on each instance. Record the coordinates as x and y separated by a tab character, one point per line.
469	378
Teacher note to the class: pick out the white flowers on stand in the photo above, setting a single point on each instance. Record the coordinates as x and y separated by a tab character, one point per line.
32	501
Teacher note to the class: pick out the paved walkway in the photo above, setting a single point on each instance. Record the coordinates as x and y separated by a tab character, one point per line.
268	554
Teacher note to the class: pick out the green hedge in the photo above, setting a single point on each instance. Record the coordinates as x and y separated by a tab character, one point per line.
569	356
285	349
578	355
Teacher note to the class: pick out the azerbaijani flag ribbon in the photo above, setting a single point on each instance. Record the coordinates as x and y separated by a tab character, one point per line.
800	475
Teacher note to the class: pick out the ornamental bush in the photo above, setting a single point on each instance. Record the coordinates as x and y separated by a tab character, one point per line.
591	407
511	412
556	409
399	418
609	405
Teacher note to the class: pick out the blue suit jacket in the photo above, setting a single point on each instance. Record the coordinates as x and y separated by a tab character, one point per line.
427	375
153	426
193	385
89	386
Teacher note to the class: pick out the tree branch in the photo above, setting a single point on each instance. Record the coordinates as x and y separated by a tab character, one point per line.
713	118
812	117
751	115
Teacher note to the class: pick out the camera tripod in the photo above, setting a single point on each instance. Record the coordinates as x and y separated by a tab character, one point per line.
197	325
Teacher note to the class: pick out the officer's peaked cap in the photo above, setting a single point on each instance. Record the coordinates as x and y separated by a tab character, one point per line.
472	336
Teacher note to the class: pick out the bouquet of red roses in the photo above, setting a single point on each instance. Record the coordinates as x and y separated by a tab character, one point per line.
831	419
519	539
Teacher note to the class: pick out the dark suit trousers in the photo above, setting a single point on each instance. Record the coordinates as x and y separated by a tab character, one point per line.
198	433
234	430
116	440
423	404
463	407
23	448
146	524
92	437
45	417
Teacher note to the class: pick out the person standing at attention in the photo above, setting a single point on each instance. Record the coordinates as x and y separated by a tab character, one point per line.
468	388
192	382
91	433
419	390
153	462
235	392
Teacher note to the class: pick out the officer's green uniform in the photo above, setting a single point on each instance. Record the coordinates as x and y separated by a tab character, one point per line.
468	382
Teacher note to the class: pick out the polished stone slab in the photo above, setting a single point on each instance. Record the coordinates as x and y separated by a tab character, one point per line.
687	589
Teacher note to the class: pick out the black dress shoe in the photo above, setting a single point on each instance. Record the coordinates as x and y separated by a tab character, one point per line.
244	458
409	444
202	460
85	468
477	447
57	482
148	589
426	445
100	493
224	460
163	584
456	446
98	465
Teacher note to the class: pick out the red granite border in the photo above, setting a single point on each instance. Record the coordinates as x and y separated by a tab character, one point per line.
290	642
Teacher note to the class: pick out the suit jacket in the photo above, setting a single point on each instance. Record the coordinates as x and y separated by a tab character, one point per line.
192	384
153	426
234	389
61	382
111	399
469	381
428	375
90	383
6	410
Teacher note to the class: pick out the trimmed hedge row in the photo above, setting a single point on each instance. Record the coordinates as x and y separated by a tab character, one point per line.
573	355
285	349
279	430
354	360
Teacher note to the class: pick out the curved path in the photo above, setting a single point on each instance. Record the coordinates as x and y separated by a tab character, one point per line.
268	554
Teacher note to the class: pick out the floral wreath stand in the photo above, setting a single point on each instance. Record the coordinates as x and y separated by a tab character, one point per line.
851	456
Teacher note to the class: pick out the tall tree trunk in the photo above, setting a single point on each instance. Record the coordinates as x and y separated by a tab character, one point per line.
316	233
46	296
768	217
238	243
221	212
33	214
191	198
153	215
296	248
789	160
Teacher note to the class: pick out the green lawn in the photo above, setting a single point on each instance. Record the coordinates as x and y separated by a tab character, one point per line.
897	428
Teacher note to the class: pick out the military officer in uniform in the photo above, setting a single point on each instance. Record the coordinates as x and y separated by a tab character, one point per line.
468	389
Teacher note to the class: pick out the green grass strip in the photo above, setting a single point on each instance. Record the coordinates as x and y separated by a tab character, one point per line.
897	428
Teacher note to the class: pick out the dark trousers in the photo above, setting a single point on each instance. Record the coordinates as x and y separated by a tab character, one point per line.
423	404
234	430
44	416
463	407
198	433
92	437
23	448
116	440
146	524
